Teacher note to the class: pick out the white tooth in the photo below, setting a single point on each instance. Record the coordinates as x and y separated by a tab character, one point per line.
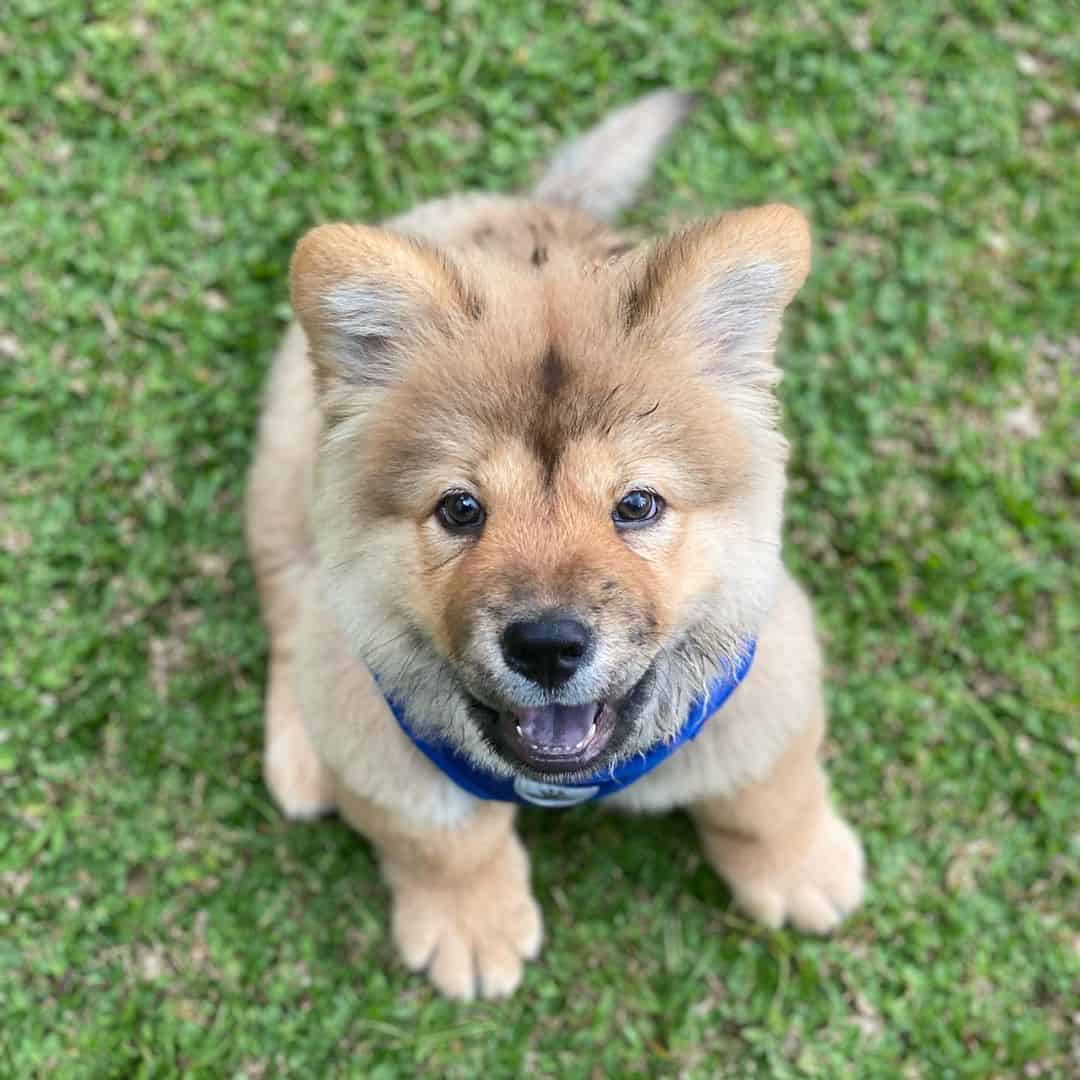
586	737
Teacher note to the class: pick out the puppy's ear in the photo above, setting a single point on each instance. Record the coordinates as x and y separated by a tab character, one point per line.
723	284
367	297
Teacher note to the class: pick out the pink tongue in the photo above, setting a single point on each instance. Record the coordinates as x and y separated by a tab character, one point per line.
557	727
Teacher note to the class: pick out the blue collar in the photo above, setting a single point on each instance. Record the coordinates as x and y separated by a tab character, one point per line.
486	785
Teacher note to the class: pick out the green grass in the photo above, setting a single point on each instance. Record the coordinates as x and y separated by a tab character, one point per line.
160	158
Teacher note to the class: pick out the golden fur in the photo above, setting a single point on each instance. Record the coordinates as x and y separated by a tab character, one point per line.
522	349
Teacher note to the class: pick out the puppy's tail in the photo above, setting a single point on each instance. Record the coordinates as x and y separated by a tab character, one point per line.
601	171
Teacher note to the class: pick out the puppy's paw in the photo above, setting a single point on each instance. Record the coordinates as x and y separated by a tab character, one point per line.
472	937
299	782
814	893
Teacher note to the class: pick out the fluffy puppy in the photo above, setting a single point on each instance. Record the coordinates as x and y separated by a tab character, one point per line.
521	480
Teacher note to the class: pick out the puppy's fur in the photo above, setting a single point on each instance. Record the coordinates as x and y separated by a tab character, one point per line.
519	349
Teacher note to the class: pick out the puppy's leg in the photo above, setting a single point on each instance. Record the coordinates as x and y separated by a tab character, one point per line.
462	908
282	552
785	852
301	785
298	781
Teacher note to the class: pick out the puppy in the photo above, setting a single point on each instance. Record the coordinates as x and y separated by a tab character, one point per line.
515	515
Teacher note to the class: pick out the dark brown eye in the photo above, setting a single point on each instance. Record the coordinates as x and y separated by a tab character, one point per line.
460	512
637	508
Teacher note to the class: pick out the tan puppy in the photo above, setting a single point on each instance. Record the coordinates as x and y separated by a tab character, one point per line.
529	475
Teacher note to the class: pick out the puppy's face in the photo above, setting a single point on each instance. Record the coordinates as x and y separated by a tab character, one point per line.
549	500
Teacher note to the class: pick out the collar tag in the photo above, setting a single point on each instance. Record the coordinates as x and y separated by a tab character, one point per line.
552	795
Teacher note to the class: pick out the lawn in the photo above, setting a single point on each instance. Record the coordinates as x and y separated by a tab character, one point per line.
159	158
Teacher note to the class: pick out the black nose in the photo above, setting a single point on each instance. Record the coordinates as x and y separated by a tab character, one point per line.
547	650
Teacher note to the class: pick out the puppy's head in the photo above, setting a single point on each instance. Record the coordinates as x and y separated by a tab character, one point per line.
549	499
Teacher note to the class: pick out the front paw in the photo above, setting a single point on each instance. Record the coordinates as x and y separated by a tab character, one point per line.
472	936
814	892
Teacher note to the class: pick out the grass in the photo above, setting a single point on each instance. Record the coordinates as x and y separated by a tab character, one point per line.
159	159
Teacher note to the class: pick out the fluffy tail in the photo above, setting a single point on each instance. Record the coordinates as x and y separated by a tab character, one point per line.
601	171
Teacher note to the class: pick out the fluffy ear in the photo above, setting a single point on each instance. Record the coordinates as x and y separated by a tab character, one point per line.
724	284
366	296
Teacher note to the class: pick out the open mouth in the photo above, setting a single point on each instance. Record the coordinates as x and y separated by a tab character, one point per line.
558	738
555	740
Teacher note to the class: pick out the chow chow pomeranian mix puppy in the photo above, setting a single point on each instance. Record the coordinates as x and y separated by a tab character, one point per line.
515	515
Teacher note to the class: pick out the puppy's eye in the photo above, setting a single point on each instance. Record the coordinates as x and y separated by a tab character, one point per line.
460	512
637	508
